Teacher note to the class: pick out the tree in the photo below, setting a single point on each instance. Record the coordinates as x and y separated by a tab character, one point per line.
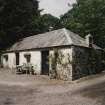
15	18
87	16
21	18
50	22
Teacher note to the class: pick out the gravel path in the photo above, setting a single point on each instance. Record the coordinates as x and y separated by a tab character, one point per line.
39	90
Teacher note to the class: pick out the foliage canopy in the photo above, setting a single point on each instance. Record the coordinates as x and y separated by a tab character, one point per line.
87	16
21	18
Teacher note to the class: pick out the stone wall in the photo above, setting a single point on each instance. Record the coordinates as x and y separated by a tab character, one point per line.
86	61
60	64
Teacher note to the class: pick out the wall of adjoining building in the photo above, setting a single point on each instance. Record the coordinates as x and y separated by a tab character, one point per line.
86	61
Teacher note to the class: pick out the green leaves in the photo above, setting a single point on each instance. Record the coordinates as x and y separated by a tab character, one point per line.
50	21
16	17
21	18
87	16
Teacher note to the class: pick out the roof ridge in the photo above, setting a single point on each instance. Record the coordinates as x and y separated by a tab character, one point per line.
68	36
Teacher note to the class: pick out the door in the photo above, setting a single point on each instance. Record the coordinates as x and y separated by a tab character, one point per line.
45	62
17	58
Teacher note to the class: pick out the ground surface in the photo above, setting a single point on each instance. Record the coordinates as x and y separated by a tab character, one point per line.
39	90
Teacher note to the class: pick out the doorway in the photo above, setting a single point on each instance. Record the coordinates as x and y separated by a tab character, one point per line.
45	62
17	58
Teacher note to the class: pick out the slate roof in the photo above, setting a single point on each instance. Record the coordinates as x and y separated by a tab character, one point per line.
60	37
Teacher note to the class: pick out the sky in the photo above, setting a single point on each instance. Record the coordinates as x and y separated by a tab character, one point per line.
55	7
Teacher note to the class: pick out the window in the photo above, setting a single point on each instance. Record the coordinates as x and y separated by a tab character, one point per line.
28	57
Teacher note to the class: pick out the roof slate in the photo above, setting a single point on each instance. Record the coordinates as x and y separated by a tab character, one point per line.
60	37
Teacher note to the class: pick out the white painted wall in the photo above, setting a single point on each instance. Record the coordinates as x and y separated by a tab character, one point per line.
35	59
11	63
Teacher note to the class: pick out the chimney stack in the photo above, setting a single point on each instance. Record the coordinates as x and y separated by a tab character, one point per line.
89	40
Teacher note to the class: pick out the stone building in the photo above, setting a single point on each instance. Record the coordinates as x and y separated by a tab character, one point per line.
61	54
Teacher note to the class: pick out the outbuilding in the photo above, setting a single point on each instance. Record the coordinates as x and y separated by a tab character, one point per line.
60	53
